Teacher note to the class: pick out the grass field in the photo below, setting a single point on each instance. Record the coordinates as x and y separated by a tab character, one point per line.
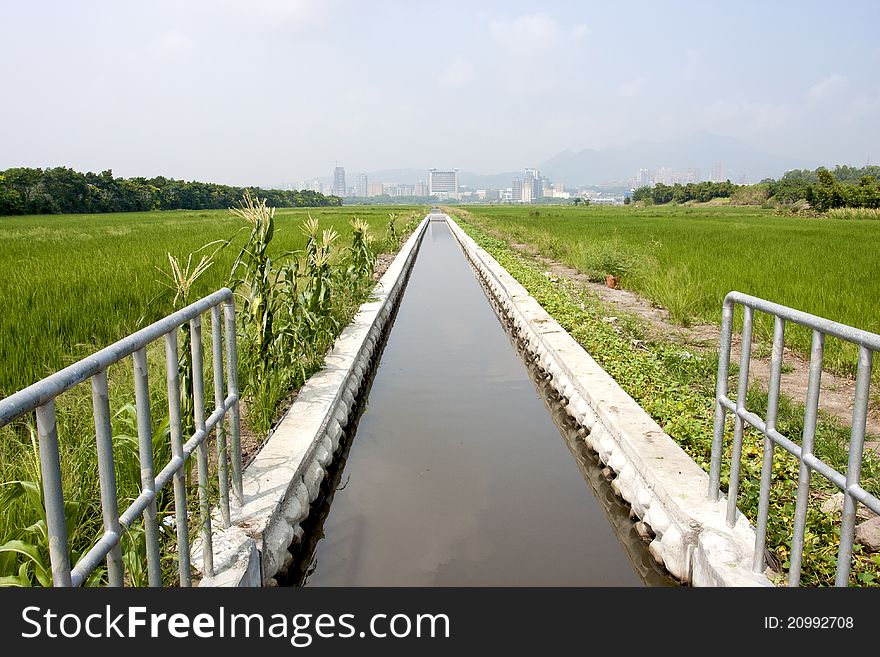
687	259
73	283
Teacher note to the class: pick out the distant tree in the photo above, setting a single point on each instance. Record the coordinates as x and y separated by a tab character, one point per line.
825	193
39	191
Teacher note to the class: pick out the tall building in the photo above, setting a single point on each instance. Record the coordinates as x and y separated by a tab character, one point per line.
375	189
665	175
339	181
534	182
360	185
541	188
421	188
516	190
443	183
719	174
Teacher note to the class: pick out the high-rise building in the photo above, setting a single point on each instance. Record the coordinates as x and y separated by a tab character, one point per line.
421	188
339	181
665	175
375	189
516	190
443	184
719	174
541	188
533	181
360	185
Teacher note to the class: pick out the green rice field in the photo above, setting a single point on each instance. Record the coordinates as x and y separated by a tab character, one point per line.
686	259
72	284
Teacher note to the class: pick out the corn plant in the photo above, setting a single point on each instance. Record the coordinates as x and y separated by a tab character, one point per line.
257	281
393	237
360	254
24	557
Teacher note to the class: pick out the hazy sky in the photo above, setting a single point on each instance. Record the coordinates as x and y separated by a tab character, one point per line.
271	91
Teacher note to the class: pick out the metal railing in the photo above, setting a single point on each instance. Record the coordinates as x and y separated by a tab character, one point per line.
40	397
848	482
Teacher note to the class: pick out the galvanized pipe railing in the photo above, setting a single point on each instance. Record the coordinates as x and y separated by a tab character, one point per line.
40	397
848	482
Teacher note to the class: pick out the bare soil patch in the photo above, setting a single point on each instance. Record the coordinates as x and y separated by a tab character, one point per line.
837	392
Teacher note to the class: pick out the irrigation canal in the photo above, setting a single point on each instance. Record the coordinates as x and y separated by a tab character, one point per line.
462	469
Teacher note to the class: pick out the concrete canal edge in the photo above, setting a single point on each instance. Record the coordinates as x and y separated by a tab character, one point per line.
663	485
285	477
666	489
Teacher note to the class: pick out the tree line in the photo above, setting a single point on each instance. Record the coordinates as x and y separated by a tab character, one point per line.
844	187
63	190
702	192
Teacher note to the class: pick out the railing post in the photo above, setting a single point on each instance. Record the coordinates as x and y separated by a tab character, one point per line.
53	496
107	474
720	410
181	518
195	326
232	391
767	463
145	453
222	456
811	414
742	392
854	465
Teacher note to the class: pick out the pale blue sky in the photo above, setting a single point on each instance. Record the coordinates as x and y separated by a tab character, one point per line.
271	91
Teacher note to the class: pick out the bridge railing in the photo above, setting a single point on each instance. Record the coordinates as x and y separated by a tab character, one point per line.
848	481
40	397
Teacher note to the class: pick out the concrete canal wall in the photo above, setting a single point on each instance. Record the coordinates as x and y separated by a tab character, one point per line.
666	489
285	477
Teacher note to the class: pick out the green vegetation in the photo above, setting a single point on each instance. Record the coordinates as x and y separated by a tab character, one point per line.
687	259
676	387
60	190
74	284
794	185
701	192
845	187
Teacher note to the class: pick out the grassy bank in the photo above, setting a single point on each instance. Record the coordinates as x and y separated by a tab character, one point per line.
687	259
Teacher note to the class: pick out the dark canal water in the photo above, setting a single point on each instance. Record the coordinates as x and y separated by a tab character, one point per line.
463	471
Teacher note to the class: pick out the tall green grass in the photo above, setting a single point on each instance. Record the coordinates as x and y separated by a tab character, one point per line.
688	258
119	267
74	283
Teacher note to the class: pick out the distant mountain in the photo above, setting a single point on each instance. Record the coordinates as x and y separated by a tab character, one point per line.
700	150
615	165
412	176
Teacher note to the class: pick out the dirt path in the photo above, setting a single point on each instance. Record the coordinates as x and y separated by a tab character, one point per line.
837	392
